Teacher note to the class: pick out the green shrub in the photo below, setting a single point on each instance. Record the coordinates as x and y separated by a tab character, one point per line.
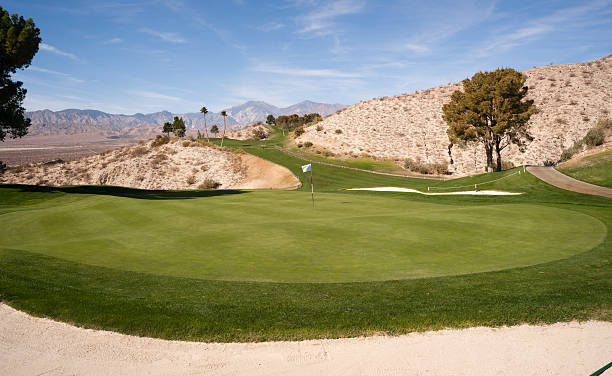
299	131
594	137
307	144
209	183
440	168
191	180
160	140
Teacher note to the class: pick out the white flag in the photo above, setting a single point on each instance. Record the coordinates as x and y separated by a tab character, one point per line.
306	168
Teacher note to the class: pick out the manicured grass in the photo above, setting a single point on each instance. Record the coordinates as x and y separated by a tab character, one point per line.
279	237
595	169
253	266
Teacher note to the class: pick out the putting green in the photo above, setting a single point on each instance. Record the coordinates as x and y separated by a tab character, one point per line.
278	236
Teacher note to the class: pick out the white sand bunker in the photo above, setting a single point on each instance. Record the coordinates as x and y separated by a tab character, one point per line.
409	190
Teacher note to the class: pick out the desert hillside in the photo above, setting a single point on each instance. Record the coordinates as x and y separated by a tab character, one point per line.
570	98
174	164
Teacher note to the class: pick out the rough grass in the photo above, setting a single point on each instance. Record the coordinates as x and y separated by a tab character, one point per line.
595	169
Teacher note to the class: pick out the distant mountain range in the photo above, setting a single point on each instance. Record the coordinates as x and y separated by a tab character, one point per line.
47	122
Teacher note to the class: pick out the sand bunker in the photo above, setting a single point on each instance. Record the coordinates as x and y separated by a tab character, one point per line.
36	346
408	190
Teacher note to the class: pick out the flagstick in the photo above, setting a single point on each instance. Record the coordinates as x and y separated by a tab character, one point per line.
311	188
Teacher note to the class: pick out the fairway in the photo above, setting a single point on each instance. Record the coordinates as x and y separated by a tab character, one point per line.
279	237
230	265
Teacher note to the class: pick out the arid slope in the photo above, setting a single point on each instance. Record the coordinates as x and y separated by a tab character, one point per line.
571	98
179	164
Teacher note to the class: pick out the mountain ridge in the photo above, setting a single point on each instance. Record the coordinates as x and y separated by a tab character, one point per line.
74	121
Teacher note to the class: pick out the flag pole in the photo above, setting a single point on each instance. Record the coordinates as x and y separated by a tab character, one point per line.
311	188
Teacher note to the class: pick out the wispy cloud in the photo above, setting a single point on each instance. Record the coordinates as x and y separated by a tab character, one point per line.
57	51
414	47
154	95
328	73
271	26
321	19
563	18
113	41
167	36
55	73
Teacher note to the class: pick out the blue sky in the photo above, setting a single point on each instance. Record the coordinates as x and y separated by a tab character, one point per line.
146	56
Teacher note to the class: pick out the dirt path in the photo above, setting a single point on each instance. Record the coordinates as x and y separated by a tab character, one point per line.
554	177
35	346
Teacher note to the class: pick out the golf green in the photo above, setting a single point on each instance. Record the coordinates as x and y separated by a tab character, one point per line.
278	236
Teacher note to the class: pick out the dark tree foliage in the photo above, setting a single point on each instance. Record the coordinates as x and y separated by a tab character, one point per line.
214	130
293	121
270	120
19	40
178	127
167	128
492	110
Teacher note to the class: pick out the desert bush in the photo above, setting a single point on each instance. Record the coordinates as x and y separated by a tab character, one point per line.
561	121
605	124
506	165
319	128
573	103
204	168
594	137
3	167
338	131
139	151
549	163
299	145
439	168
259	134
186	143
17	169
160	140
53	162
209	183
299	131
191	180
307	144
568	153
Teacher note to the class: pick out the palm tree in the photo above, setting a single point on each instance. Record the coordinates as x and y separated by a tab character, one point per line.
204	111
224	114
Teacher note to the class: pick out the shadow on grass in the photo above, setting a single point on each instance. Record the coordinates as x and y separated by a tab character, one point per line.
125	192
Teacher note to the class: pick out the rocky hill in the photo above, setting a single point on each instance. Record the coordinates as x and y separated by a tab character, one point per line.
173	164
70	122
570	98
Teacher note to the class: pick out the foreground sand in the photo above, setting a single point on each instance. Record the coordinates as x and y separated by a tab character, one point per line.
36	346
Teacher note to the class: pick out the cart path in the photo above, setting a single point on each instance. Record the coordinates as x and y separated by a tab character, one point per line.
37	346
559	180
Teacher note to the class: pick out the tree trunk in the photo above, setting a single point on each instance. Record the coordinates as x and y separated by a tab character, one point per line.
205	129
489	151
499	160
223	131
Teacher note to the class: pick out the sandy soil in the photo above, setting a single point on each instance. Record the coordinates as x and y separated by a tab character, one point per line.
570	98
262	174
179	164
37	346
